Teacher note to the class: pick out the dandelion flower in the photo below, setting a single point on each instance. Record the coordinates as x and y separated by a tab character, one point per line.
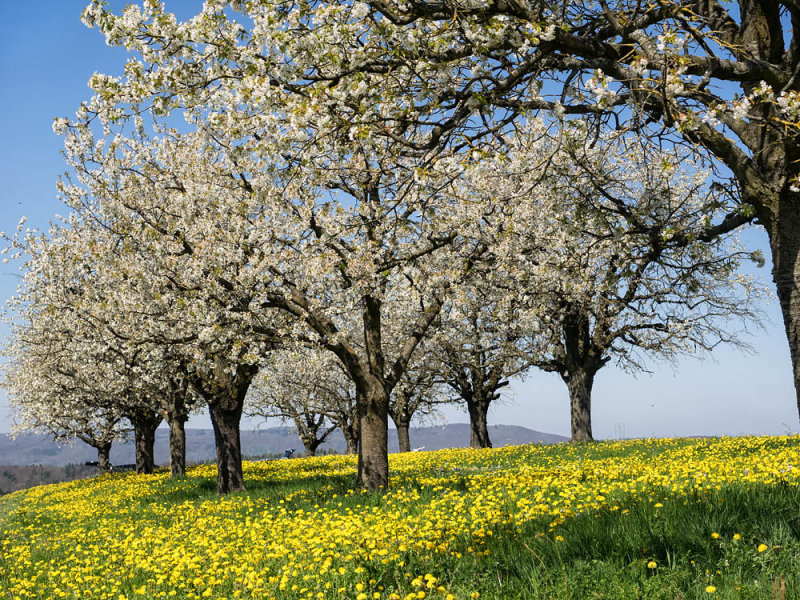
715	536
710	589
652	564
762	547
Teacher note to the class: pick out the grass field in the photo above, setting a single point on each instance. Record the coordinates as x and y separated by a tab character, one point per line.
714	518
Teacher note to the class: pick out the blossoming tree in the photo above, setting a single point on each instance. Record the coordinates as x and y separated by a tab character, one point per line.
610	258
720	78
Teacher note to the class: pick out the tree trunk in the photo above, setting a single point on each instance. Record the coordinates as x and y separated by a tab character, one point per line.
784	237
478	409
225	422
176	416
177	445
145	424
310	443
579	383
104	457
403	439
374	463
224	392
351	439
360	412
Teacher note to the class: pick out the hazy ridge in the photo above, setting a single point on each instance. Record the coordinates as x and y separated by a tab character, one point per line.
35	449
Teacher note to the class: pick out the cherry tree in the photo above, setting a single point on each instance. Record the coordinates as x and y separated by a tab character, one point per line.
331	213
450	74
65	349
418	394
54	411
315	131
478	349
611	256
302	386
185	273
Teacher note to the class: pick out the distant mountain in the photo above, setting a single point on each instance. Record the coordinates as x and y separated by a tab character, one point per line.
34	449
15	477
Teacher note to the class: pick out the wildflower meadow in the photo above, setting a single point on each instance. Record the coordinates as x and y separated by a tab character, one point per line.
631	519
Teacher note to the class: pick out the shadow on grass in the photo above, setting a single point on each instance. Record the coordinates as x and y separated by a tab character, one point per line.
193	488
668	552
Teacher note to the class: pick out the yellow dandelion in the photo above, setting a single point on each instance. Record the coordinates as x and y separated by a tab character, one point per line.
715	536
710	589
652	564
762	547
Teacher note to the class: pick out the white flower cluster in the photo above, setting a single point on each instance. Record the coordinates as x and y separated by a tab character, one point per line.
598	86
60	125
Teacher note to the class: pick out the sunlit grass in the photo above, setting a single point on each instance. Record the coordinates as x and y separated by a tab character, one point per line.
634	519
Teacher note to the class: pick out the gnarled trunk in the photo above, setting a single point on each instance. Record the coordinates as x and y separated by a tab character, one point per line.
104	457
360	410
227	438
145	423
225	393
314	429
310	443
579	383
401	409
403	439
784	237
374	456
176	415
478	409
177	444
351	435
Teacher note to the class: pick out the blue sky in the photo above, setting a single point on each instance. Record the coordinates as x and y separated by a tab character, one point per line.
46	58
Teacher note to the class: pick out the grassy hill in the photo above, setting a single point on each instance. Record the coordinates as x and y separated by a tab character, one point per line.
655	519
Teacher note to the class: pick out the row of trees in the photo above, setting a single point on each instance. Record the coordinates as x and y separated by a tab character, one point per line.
361	211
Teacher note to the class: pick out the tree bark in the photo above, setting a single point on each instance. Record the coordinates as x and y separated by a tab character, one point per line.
351	438
478	409
579	383
145	423
784	237
224	392
374	457
177	444
360	412
310	444
227	438
104	457
401	411
403	439
176	415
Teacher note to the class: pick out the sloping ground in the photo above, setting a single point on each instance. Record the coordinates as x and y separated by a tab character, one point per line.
34	449
649	519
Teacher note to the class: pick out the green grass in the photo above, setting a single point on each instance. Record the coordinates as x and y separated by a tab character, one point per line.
650	543
605	554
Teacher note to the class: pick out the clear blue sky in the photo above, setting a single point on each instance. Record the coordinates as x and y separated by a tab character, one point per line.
46	58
